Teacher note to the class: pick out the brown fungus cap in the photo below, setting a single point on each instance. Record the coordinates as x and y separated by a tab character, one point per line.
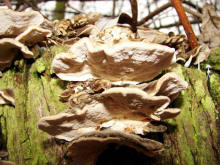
86	148
168	85
124	61
7	96
33	35
14	23
9	48
122	109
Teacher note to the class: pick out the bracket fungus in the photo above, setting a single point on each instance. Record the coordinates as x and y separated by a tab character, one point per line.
19	30
86	148
14	23
169	85
109	99
131	108
33	35
117	108
9	49
125	61
7	96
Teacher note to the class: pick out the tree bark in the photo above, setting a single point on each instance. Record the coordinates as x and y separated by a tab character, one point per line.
191	138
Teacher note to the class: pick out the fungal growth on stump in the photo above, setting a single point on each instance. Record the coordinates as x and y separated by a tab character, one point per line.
18	30
111	98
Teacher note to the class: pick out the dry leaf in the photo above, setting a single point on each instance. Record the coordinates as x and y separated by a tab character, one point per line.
210	27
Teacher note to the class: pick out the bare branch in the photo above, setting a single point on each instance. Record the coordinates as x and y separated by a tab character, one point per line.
194	13
193	5
134	10
176	24
77	10
7	3
155	12
113	8
185	22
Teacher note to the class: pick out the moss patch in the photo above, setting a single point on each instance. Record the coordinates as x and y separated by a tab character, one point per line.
196	125
215	88
213	60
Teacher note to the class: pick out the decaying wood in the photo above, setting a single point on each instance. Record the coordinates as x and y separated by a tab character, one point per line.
192	138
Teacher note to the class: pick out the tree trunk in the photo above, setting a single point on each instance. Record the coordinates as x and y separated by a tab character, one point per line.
191	138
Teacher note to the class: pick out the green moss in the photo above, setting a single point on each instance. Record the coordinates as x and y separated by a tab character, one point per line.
59	49
199	89
207	103
52	94
40	66
213	60
215	88
35	96
197	116
178	69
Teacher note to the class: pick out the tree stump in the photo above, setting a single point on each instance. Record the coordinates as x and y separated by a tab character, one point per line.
191	138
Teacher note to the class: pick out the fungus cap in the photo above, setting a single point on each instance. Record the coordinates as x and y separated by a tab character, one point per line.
124	61
9	49
7	96
86	148
14	23
33	35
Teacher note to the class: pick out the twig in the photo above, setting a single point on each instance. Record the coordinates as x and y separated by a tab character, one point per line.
56	11
192	5
126	19
113	8
155	12
120	8
164	7
7	3
134	9
77	10
175	24
185	22
194	13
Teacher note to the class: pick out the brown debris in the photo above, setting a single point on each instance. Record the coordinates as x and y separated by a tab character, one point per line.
210	34
98	86
68	30
200	54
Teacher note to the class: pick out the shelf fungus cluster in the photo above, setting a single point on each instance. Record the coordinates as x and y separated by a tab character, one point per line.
17	31
111	98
